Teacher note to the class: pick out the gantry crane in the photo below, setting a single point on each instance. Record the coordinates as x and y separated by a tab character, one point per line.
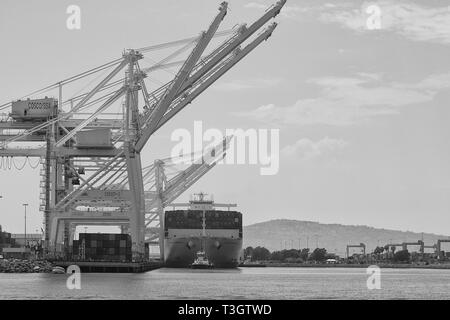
440	253
361	245
86	153
394	245
419	243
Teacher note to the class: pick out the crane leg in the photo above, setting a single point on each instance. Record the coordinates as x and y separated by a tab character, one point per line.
137	209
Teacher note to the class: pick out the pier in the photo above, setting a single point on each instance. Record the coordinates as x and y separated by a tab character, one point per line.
111	267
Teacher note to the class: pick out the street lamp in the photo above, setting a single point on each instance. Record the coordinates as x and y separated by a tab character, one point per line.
25	205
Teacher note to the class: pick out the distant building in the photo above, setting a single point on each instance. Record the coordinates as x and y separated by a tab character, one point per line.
331	261
32	239
5	240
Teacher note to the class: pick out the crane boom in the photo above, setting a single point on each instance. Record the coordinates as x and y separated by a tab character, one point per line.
169	95
216	74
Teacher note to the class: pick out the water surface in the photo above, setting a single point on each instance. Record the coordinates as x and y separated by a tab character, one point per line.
244	283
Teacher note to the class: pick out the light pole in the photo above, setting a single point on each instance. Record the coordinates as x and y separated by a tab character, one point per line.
1	197
25	205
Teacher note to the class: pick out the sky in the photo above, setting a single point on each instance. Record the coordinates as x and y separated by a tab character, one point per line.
362	110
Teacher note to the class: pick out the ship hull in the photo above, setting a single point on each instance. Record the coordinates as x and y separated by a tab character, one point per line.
221	252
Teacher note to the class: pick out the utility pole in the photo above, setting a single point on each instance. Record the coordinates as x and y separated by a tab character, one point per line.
25	205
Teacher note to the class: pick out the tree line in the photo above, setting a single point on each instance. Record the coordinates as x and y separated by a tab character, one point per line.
287	255
317	255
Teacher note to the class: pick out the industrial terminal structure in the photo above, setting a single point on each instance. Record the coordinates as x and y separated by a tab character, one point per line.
91	166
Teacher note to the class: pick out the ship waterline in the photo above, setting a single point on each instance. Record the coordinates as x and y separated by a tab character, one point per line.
221	252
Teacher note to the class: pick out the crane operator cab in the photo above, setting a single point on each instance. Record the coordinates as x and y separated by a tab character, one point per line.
34	110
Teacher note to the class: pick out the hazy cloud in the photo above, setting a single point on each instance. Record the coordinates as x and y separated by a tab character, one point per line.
306	149
257	83
349	100
413	21
288	11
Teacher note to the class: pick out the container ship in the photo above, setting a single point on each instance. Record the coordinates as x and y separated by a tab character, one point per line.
201	228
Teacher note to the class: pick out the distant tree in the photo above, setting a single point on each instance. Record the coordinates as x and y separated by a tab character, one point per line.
248	252
378	250
318	255
402	256
386	248
277	256
291	254
304	253
260	253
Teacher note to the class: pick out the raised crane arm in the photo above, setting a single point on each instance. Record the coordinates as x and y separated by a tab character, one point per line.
215	75
212	67
243	34
183	74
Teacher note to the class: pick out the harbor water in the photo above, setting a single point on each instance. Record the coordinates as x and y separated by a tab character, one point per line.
242	283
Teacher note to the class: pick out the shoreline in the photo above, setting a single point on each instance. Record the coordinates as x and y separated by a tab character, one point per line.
25	266
344	265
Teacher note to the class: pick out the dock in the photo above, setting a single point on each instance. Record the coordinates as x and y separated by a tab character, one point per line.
111	267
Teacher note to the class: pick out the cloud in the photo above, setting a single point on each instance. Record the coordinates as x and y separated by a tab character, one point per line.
288	11
410	20
257	83
413	21
306	149
344	101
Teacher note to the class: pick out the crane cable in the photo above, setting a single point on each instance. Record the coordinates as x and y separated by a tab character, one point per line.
6	164
68	80
37	164
182	41
114	62
15	166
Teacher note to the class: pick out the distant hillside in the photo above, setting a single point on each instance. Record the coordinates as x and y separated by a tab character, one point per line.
334	237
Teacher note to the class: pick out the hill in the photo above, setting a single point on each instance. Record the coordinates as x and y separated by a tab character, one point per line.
277	234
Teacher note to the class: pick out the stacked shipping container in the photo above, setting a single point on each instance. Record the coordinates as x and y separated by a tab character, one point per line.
102	247
193	219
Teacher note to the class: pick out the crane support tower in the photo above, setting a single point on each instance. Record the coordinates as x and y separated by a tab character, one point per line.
419	243
440	253
361	245
91	160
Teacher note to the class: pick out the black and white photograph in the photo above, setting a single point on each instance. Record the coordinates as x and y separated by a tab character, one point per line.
224	157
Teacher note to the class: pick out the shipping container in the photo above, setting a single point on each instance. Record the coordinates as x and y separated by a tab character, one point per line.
103	247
